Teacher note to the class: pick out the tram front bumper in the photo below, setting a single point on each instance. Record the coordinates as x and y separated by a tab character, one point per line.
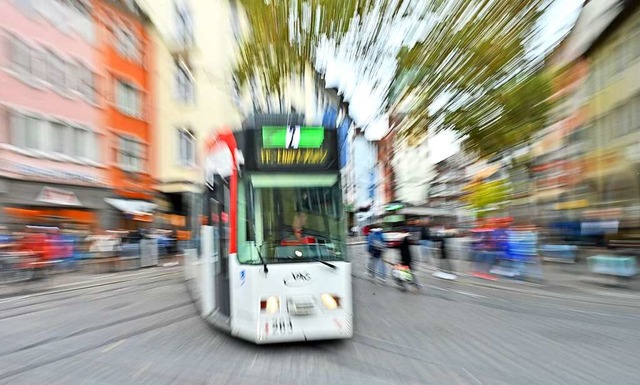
304	328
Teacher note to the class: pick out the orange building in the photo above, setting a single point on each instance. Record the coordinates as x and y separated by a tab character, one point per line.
125	52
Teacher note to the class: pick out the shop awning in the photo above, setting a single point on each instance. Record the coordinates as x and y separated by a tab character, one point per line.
130	206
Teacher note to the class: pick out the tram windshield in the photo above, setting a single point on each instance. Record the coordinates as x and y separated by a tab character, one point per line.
293	224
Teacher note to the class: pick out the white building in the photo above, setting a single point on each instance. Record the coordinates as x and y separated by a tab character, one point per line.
362	167
413	171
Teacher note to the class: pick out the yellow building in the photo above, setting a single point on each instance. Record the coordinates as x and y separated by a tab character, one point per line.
611	104
194	93
196	43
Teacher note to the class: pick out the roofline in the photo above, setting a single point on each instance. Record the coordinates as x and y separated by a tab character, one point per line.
628	9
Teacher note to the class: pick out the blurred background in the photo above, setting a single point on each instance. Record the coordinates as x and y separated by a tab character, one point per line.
502	133
524	111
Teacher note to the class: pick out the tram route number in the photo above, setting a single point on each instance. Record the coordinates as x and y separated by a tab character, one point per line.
281	326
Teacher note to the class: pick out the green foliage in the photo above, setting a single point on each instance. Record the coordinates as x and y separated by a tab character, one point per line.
471	53
496	95
482	195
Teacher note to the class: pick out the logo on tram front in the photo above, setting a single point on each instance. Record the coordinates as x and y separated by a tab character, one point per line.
297	278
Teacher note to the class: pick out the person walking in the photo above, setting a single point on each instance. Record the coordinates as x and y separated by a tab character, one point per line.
446	269
376	266
425	242
406	260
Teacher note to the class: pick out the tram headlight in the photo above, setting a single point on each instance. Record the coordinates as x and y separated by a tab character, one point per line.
271	305
330	302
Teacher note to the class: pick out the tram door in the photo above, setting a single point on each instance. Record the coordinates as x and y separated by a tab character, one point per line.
220	221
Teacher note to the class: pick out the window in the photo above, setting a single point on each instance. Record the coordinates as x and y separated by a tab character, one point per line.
32	132
618	58
80	142
130	154
127	43
25	6
86	84
283	231
235	22
39	65
20	57
58	132
635	111
317	201
626	118
56	71
17	136
187	149
635	45
73	80
127	99
184	23
94	146
184	84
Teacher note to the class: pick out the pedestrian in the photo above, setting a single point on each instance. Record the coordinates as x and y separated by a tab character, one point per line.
425	242
445	270
406	259
376	266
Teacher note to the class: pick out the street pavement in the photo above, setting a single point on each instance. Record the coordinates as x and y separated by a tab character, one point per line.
141	328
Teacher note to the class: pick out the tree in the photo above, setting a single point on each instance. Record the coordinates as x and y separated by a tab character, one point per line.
475	59
474	54
485	195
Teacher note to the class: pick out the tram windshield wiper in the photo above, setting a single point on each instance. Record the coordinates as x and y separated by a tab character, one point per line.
264	263
331	265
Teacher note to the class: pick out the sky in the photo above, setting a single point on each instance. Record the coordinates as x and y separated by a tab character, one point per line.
364	97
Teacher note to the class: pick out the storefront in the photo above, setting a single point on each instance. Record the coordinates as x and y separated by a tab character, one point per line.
130	214
37	203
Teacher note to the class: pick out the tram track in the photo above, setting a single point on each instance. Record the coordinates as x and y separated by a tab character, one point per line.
94	328
490	291
76	300
97	343
127	288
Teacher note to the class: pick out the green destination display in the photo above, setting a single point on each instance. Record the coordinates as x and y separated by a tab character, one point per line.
293	148
292	137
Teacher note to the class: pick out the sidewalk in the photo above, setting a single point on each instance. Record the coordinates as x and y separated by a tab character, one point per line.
359	240
558	279
82	276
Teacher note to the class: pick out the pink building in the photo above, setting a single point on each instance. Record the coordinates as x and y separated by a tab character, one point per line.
51	166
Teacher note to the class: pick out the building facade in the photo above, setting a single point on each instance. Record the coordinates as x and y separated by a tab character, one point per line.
53	167
558	151
611	104
447	188
413	172
125	55
194	97
386	181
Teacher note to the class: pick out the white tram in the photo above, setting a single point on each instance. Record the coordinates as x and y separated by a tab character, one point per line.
272	264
